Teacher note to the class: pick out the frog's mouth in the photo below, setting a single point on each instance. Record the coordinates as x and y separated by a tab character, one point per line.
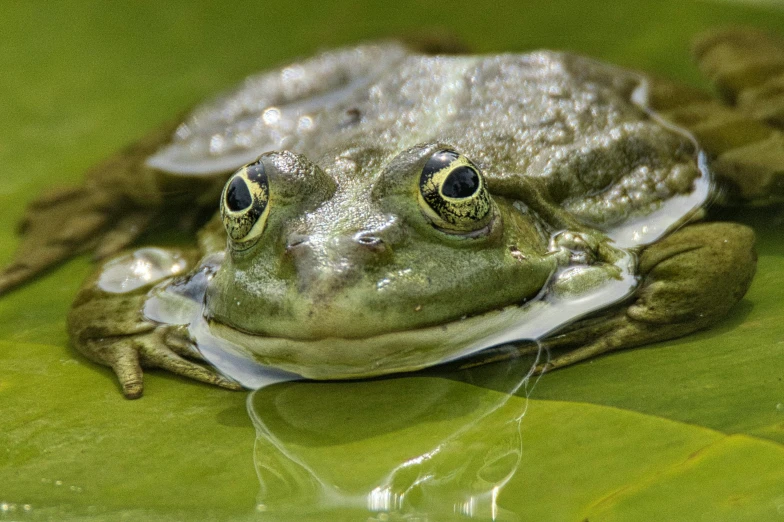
403	351
393	352
254	360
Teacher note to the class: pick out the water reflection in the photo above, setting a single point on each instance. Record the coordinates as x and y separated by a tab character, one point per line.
426	446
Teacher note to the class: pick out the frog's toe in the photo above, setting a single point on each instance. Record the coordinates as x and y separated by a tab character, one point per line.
121	356
158	355
15	274
180	342
125	363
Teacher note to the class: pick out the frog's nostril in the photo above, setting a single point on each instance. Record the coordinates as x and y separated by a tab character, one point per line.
295	241
370	242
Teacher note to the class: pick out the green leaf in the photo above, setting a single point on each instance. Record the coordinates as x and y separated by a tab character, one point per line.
685	430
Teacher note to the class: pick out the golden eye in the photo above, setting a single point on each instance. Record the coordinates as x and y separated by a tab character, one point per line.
244	203
452	193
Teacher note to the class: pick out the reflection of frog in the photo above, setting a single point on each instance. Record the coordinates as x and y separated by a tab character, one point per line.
436	460
408	209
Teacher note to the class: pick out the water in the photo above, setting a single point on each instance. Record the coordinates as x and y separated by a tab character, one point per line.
70	422
446	452
413	447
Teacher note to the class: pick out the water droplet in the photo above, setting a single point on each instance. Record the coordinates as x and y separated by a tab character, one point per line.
305	123
271	116
139	268
217	144
780	406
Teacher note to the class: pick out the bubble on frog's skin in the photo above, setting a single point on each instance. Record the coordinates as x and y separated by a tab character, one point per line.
217	144
271	116
305	123
140	268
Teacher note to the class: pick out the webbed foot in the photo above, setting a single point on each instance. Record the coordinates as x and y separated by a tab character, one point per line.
64	223
165	347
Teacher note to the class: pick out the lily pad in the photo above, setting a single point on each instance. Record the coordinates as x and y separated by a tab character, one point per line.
684	430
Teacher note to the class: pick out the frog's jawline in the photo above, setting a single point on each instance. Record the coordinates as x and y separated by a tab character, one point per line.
403	351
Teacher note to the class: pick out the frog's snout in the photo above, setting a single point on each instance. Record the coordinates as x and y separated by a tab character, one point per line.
326	264
362	243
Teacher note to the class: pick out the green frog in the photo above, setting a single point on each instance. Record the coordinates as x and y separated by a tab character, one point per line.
386	207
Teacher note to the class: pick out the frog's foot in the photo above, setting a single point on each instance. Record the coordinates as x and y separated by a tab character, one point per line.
747	67
743	136
64	223
109	327
120	198
691	279
165	347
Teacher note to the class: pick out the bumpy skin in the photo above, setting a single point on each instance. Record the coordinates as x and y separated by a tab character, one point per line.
346	248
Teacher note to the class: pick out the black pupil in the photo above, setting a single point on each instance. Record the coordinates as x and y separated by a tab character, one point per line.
438	161
238	196
462	182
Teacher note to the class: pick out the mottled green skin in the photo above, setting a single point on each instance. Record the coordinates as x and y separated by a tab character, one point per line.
554	131
351	269
311	276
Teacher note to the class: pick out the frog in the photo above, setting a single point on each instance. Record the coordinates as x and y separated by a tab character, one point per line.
392	206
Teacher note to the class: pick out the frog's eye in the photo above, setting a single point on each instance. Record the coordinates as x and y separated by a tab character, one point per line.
452	193
244	203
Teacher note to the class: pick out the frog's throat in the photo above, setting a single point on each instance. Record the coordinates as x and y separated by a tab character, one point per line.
392	352
403	351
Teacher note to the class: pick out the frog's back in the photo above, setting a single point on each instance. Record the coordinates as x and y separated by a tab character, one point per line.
577	126
582	129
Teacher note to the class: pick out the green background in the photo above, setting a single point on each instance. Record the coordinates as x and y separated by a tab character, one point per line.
687	430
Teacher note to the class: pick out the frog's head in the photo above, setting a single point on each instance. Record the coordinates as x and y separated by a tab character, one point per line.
368	246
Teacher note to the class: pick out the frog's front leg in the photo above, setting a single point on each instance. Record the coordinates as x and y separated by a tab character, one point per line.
108	325
690	280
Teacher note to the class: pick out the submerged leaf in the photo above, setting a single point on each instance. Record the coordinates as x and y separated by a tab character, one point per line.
680	430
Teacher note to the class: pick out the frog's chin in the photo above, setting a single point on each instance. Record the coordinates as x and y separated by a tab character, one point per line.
403	351
393	352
